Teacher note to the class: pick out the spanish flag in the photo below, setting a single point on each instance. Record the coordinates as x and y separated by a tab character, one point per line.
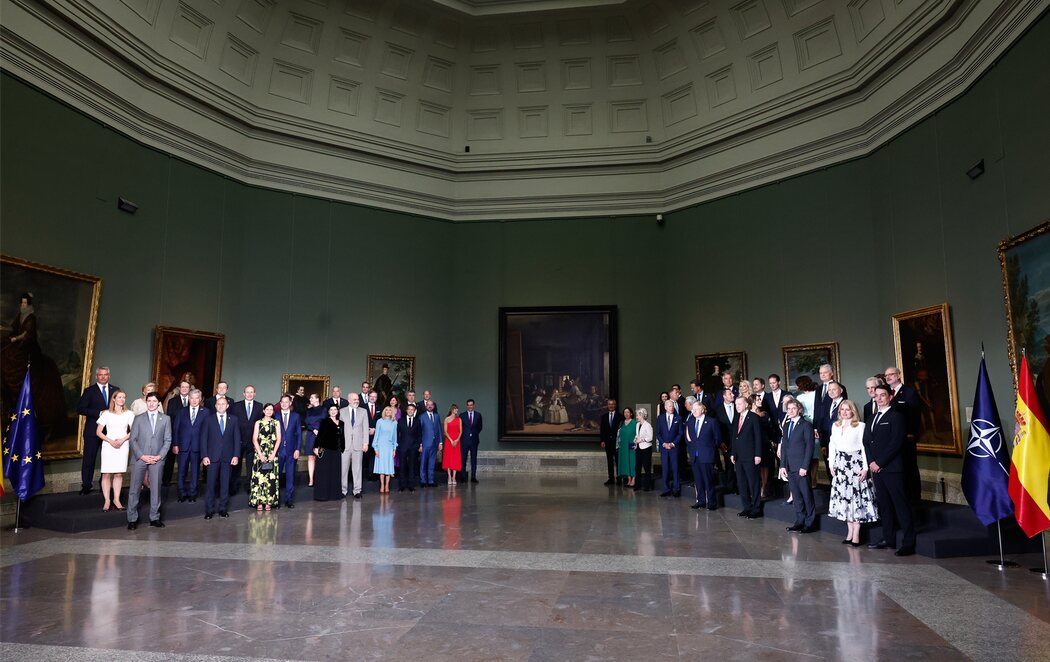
1030	463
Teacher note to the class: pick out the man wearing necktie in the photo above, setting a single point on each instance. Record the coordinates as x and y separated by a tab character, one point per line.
796	453
430	445
355	443
747	456
470	440
247	412
884	445
186	445
176	403
703	436
221	445
291	443
409	436
669	433
149	442
608	427
93	401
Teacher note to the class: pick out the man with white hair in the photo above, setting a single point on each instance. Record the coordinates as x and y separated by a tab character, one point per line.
186	444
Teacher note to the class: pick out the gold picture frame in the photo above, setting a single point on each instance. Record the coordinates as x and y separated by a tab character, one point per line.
806	359
1022	259
922	344
401	372
312	383
66	305
179	351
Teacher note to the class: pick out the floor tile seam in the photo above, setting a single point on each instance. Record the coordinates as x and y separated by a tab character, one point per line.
92	654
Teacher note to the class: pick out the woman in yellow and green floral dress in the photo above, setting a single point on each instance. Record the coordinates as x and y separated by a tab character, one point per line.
265	478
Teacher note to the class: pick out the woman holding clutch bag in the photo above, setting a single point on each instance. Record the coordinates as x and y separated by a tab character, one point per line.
328	448
267	439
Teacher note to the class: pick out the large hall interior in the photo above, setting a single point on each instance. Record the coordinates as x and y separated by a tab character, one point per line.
534	205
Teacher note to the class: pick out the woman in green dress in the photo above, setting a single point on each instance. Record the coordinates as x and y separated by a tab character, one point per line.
625	447
266	439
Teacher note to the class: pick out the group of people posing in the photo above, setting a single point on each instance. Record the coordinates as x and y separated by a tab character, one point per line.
742	436
344	439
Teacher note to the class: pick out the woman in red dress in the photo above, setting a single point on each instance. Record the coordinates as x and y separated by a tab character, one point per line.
452	456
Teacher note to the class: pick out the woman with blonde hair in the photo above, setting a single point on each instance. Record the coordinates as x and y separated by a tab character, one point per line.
384	444
139	405
643	442
452	454
114	429
852	495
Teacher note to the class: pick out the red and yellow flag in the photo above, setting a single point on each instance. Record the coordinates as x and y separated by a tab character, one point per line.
1030	463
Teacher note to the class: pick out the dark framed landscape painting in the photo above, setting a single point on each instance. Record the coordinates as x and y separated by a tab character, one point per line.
318	384
557	367
54	335
1025	264
805	361
922	341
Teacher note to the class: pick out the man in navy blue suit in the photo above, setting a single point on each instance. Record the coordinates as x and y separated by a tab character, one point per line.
471	438
337	399
702	437
669	433
746	457
93	401
186	444
291	442
773	399
247	412
221	445
409	437
702	396
176	402
429	445
796	452
885	439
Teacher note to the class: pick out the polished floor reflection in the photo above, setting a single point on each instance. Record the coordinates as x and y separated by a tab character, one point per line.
516	568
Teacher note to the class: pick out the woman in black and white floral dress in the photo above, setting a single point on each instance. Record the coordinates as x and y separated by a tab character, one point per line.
852	493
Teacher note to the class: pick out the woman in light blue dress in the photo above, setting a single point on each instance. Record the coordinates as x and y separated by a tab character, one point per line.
385	444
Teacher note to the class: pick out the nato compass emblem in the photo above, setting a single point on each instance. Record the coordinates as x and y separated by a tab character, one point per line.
986	439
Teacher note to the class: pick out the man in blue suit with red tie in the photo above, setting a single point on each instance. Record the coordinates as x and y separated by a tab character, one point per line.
291	441
669	433
186	444
703	434
471	438
221	443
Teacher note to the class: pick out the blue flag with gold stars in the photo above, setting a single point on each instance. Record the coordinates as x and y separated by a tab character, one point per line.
23	465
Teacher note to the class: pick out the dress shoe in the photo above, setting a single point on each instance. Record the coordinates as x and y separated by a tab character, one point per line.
208	515
667	493
182	499
400	489
290	504
742	513
712	506
751	516
411	489
882	544
357	496
677	493
156	523
223	513
796	527
474	480
809	529
697	506
132	526
608	482
755	515
905	551
85	490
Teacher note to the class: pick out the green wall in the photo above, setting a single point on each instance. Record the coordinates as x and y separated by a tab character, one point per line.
299	284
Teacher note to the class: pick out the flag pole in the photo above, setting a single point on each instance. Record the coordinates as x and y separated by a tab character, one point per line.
18	515
1001	563
1042	571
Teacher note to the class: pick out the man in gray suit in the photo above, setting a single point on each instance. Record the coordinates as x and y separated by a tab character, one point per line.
355	436
150	440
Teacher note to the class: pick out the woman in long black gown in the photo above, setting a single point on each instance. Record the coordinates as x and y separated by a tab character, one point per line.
328	484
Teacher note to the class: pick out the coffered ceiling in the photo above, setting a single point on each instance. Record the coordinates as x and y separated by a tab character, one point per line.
474	109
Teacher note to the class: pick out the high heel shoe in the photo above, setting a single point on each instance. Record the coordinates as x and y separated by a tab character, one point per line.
105	508
847	541
855	544
121	508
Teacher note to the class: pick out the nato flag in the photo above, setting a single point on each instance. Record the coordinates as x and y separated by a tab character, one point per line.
986	462
23	463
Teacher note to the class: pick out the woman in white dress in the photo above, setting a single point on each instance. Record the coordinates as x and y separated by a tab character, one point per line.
852	495
114	429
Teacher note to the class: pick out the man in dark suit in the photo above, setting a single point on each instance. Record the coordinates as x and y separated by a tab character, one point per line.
729	384
186	444
175	404
702	437
221	389
337	399
471	438
375	412
884	443
725	414
409	437
871	407
822	401
906	400
830	414
607	426
247	412
221	446
773	399
796	452
702	396
93	401
746	458
669	433
291	443
679	401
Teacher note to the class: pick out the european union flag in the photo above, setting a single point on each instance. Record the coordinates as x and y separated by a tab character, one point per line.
23	463
986	463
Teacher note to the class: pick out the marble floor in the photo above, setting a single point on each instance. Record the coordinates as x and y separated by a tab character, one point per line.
520	567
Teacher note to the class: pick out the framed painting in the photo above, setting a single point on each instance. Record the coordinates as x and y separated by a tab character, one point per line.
711	367
310	384
1025	264
179	354
557	367
48	318
922	342
391	375
805	361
